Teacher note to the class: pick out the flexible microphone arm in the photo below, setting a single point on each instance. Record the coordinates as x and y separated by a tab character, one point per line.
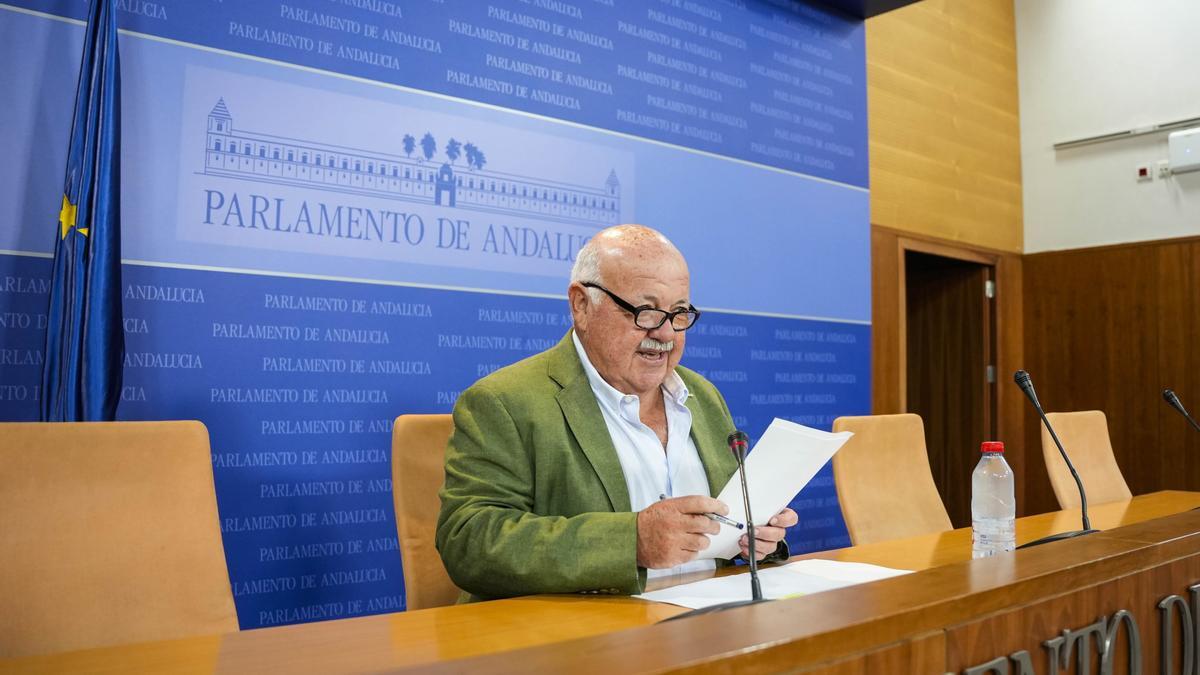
1175	403
737	443
1026	384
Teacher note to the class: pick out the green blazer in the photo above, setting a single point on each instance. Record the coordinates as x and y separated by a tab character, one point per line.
535	499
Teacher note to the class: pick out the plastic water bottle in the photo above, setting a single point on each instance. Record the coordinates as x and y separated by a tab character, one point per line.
993	504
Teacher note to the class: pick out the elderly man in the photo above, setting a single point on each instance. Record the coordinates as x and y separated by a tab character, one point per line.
589	467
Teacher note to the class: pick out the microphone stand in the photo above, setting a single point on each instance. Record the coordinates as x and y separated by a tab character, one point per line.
737	443
1175	403
755	588
1022	379
1173	399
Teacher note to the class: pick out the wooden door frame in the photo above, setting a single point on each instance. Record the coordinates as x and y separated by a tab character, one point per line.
889	349
904	245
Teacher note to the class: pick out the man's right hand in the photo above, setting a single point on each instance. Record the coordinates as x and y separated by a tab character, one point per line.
672	531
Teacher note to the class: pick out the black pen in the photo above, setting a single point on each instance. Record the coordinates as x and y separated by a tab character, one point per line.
717	517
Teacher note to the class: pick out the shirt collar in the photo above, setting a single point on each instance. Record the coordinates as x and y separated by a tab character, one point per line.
673	387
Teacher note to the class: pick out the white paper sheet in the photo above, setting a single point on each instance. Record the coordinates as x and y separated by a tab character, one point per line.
783	461
802	577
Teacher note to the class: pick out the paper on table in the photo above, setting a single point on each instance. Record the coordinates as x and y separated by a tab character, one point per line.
783	461
799	578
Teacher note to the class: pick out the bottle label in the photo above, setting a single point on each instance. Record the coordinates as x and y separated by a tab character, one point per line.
992	538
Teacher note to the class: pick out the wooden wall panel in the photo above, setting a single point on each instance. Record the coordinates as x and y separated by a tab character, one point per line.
1179	361
944	133
1010	355
888	355
1107	329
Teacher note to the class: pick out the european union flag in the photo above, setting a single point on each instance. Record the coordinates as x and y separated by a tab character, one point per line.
85	340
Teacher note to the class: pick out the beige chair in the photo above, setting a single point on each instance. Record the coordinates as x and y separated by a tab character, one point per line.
418	471
1084	435
108	534
883	479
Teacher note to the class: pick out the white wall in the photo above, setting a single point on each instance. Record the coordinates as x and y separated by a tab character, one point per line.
1088	67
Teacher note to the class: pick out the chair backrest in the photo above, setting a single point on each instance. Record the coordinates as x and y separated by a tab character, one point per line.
884	483
1084	435
109	534
418	472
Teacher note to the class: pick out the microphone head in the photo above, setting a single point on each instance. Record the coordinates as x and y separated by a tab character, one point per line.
1026	384
738	440
1173	401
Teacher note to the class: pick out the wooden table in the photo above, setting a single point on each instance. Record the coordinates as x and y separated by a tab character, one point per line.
902	623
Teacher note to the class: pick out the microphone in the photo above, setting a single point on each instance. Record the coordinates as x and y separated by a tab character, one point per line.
1026	384
1170	397
738	443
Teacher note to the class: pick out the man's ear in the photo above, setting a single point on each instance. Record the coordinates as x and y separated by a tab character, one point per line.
579	301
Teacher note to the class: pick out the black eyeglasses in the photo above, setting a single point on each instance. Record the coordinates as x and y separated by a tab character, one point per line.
649	318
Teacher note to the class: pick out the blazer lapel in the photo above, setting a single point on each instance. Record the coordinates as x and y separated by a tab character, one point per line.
583	415
718	461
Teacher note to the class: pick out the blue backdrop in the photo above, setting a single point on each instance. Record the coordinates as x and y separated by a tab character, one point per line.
339	211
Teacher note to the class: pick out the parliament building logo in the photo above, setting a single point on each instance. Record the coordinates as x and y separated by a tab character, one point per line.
452	174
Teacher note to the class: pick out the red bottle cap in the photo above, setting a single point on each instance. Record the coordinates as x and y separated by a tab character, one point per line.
992	446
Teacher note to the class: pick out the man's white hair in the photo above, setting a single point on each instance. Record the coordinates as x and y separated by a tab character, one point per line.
587	268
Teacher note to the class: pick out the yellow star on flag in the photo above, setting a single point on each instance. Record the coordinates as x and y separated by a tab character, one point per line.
66	217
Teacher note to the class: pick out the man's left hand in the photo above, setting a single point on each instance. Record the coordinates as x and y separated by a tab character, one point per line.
767	537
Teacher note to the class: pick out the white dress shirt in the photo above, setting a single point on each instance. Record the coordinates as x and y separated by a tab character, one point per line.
650	472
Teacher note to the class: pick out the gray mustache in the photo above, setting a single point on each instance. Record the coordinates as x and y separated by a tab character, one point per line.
651	343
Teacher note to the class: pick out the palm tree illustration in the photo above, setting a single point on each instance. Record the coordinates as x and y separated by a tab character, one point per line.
428	145
480	159
453	150
410	144
471	151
